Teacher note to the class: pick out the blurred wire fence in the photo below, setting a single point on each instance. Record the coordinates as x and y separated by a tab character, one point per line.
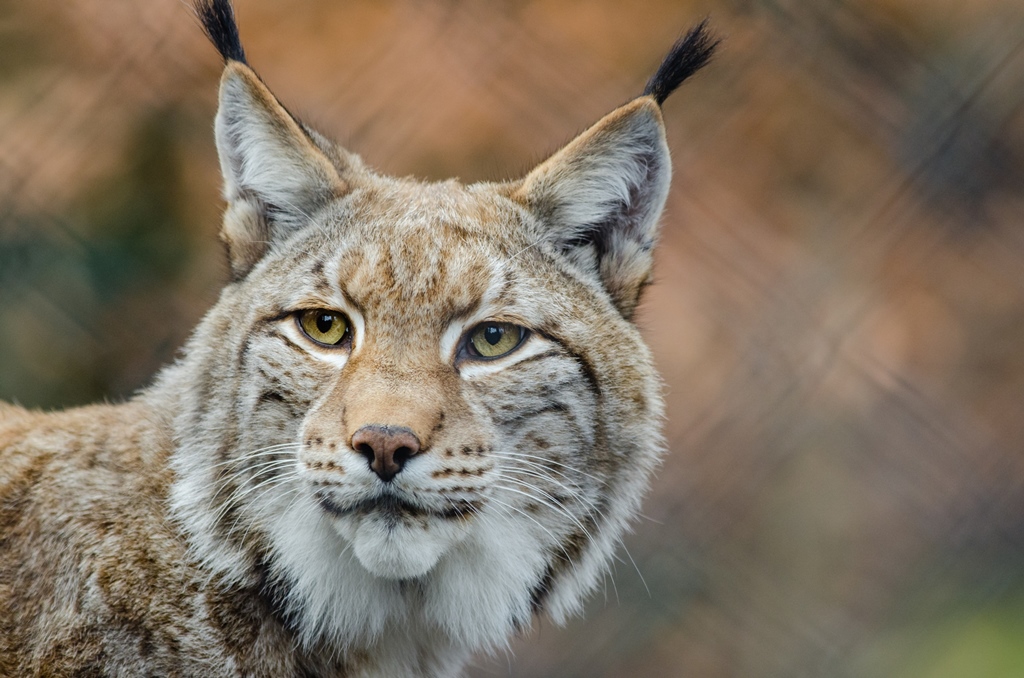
838	314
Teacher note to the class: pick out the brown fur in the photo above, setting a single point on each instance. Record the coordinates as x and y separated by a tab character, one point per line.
223	523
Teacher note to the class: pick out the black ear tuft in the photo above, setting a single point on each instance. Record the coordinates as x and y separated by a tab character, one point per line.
690	53
218	19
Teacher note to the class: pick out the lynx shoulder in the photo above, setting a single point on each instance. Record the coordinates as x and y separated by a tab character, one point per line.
418	417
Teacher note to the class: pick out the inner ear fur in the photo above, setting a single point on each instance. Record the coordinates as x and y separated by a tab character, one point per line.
600	197
276	175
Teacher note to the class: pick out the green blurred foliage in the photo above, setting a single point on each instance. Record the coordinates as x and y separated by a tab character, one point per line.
986	642
78	284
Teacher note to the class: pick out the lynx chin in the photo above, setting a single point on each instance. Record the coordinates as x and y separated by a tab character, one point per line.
418	417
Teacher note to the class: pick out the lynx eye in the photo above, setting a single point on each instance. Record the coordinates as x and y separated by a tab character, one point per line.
493	340
328	328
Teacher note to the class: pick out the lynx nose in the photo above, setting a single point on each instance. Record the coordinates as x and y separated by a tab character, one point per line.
387	448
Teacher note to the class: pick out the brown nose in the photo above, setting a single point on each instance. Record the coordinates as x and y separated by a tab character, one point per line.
387	448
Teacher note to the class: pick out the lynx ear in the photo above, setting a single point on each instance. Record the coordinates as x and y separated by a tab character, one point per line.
601	196
276	172
275	176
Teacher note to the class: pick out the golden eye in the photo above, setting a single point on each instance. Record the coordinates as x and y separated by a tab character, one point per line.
492	340
328	328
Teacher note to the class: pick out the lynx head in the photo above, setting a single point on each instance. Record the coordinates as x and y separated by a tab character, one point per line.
421	405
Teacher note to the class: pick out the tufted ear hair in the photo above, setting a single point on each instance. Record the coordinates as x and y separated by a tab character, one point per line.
600	197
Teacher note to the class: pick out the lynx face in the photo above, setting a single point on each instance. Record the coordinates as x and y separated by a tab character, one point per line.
414	431
405	434
367	421
420	408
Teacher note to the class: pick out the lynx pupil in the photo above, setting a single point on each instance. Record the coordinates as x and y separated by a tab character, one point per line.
324	322
493	334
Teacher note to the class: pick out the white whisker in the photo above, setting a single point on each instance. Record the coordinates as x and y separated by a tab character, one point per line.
554	539
261	452
544	461
552	505
574	493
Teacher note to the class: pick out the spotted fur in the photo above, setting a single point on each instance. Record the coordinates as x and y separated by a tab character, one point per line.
222	522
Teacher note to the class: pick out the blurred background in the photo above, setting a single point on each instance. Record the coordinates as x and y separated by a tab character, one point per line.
838	314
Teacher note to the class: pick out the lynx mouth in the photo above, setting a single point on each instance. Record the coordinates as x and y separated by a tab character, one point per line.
395	538
395	509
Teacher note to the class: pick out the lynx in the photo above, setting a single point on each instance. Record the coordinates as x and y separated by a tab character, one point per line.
418	417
